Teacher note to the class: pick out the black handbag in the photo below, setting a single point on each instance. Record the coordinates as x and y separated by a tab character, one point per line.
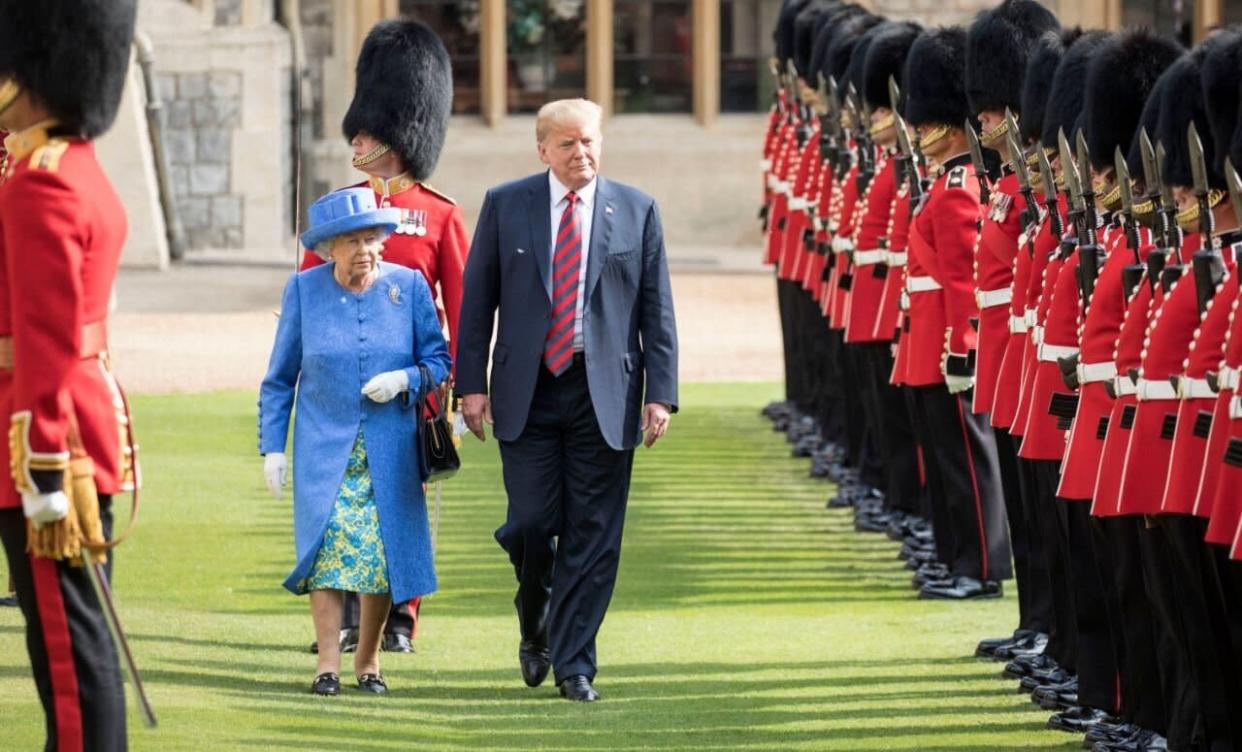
437	457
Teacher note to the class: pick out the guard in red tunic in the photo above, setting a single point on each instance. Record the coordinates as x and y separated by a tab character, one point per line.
999	44
943	235
62	68
396	125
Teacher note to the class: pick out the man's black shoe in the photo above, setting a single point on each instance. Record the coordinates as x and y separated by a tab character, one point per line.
1024	665
397	643
1110	732
866	523
840	500
961	589
8	600
578	689
349	642
1078	720
1055	676
987	648
1032	645
1143	740
1056	696
535	662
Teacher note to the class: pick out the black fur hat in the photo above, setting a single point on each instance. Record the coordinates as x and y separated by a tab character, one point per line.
935	90
1065	100
1149	119
887	57
784	34
831	25
1037	83
404	93
72	56
998	46
1120	77
805	26
837	60
855	72
1220	92
1181	103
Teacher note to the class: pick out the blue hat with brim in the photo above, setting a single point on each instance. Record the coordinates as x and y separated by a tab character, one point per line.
347	210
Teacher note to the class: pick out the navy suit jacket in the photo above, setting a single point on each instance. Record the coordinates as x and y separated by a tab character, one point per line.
629	331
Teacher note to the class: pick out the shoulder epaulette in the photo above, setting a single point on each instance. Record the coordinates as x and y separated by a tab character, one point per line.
47	157
427	187
957	177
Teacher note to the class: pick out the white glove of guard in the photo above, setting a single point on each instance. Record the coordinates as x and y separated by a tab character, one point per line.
275	470
958	384
41	509
385	386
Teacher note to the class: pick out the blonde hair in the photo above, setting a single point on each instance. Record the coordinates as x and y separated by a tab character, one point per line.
563	112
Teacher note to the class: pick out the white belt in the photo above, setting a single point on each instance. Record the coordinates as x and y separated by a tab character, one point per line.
780	186
1123	386
867	258
1227	378
842	245
797	203
1089	373
1154	390
921	284
765	164
993	298
1051	353
1235	408
1188	388
1017	325
904	301
817	224
1030	316
896	258
1037	335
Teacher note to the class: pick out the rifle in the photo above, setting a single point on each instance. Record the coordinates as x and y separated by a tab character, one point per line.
1208	267
1017	159
1073	192
981	168
1235	198
1127	202
1090	253
803	130
1151	176
1050	193
862	140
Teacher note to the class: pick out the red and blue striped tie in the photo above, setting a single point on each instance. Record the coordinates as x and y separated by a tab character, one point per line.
558	348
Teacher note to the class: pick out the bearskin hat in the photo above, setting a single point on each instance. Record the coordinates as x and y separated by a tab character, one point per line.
1069	83
998	46
1120	77
840	52
854	72
831	25
1220	92
1181	103
72	56
784	34
935	90
886	57
805	27
404	93
1041	67
1149	119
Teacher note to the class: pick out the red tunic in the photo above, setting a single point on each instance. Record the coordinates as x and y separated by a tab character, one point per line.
785	153
1098	342
1045	248
837	297
942	239
813	266
1009	377
888	318
62	226
870	254
1220	492
793	251
1057	316
994	273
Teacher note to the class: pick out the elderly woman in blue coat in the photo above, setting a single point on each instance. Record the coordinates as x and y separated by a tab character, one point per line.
349	345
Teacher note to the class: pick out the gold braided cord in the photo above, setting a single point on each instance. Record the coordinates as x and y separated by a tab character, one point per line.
372	155
994	137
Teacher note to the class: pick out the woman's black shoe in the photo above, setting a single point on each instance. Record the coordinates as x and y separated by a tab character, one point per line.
373	683
326	683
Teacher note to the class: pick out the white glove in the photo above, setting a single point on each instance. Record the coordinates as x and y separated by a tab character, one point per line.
275	470
41	509
958	384
383	387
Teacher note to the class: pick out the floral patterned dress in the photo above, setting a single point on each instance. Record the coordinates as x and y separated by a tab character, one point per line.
352	554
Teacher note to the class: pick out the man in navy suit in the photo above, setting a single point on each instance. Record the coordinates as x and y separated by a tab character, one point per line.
576	266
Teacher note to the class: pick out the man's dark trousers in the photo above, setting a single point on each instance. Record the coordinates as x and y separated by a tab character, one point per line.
564	482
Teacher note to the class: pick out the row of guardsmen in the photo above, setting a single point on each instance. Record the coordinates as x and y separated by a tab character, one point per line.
1007	272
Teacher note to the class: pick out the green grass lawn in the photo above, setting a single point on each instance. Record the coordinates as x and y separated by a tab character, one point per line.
746	616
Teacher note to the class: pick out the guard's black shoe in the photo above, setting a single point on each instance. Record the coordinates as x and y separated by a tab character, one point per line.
1045	678
1078	720
373	683
1056	696
578	689
349	640
931	572
1024	665
326	683
395	642
1143	741
987	648
1110	732
8	600
961	589
535	662
1030	645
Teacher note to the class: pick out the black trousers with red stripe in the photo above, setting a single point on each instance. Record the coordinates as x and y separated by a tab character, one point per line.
1030	566
1096	652
892	429
71	653
962	448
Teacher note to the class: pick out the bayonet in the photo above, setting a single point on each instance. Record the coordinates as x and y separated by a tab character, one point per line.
981	167
1198	171
912	168
1090	254
1127	201
1050	193
1168	207
1031	213
1073	191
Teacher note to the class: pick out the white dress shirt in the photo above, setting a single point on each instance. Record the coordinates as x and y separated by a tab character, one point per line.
584	209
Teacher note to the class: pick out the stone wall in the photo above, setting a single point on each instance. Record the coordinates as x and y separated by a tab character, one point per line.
933	12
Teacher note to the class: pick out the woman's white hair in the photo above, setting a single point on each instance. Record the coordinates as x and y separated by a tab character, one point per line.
564	112
323	249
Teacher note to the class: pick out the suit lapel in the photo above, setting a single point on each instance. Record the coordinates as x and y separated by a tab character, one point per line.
540	231
601	228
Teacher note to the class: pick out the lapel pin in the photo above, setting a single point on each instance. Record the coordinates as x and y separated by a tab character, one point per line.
394	294
608	210
521	251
